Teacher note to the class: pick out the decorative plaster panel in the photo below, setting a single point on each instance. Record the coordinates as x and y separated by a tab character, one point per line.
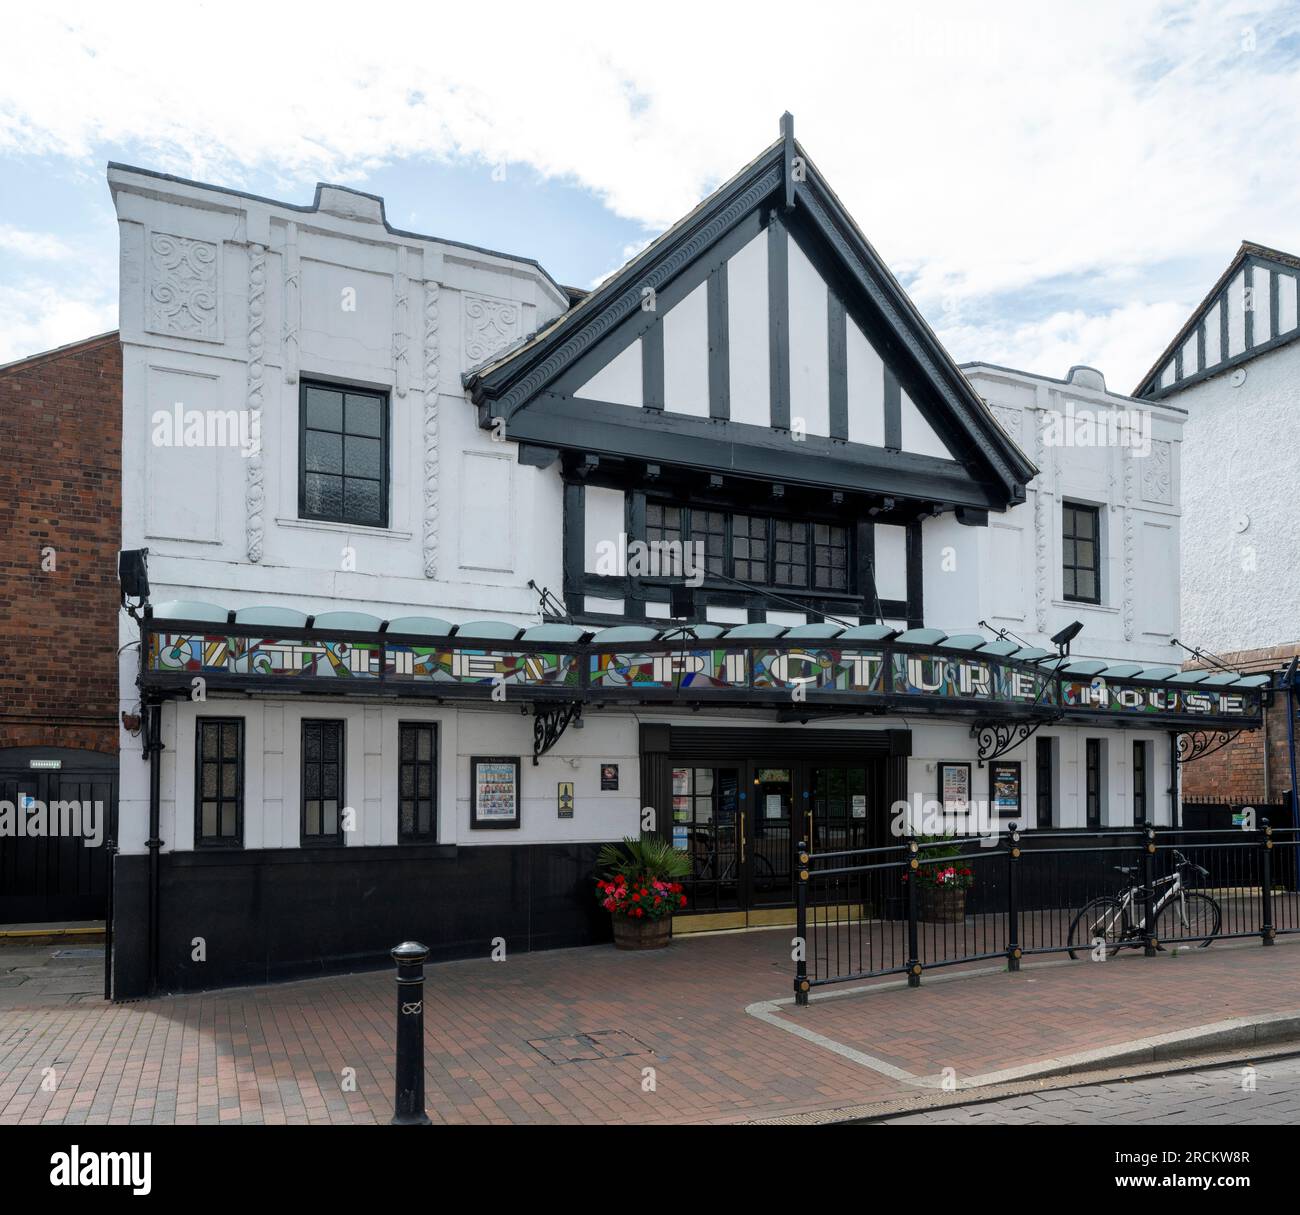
183	292
490	325
1157	474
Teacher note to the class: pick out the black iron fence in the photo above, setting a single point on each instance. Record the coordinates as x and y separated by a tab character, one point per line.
923	904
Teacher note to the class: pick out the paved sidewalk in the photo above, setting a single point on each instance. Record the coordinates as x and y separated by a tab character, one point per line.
596	1035
1265	1094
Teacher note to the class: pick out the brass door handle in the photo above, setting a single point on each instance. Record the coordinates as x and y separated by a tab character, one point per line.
741	822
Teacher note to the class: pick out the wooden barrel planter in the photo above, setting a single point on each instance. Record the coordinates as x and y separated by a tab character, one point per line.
943	904
642	934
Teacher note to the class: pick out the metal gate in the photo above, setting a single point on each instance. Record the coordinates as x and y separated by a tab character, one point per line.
58	871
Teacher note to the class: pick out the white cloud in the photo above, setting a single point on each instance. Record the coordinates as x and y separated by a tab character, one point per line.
41	316
984	150
42	246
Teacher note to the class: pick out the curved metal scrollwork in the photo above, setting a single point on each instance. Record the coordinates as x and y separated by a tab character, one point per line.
998	737
550	723
1200	743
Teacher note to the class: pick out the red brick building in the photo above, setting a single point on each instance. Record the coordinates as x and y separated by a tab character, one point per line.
1256	767
60	482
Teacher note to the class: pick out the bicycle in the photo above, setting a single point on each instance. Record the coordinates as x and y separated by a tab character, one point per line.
712	864
1119	921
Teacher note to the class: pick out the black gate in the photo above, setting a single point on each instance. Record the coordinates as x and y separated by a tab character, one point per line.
56	874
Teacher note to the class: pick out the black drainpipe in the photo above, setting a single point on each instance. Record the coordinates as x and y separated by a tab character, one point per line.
153	748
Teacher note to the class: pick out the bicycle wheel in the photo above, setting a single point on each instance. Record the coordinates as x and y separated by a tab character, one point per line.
1188	918
1101	920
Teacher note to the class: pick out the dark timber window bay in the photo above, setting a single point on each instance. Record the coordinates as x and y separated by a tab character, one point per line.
417	783
343	455
322	782
219	782
1081	552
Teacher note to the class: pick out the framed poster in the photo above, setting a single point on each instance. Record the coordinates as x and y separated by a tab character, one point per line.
494	791
564	799
954	787
608	777
1005	790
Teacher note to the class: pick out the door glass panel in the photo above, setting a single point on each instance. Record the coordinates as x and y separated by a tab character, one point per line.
705	811
768	848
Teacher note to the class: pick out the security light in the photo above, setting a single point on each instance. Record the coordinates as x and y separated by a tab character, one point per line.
1062	639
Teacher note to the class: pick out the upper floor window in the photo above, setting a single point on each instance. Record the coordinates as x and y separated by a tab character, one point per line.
762	549
1081	552
343	455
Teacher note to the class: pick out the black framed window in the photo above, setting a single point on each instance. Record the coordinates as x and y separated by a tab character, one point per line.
322	782
1081	552
749	548
789	553
1044	782
662	522
830	557
709	529
219	782
1141	787
417	782
1092	789
343	455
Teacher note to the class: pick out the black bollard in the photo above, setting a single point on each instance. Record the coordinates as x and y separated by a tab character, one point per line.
408	1095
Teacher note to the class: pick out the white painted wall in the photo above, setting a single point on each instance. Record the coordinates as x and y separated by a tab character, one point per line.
1241	518
1009	573
227	302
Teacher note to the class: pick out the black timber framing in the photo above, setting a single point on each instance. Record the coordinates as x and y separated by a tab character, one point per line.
1248	259
719	344
838	359
778	333
537	377
636	591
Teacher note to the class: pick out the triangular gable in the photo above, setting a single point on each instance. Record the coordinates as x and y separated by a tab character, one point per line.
746	324
1252	308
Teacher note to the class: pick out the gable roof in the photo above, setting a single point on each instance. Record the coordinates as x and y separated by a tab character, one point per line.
1156	383
509	382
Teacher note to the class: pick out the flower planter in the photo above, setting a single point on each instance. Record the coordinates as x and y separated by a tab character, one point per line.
943	905
642	934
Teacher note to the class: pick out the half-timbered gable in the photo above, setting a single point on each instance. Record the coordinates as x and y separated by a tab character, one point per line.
1253	308
758	382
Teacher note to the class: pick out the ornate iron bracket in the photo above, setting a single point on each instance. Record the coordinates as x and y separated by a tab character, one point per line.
550	723
1200	743
998	737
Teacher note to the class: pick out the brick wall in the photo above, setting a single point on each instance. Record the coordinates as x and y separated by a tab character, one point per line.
1256	767
60	478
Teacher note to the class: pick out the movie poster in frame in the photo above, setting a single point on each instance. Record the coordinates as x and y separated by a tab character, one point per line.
494	792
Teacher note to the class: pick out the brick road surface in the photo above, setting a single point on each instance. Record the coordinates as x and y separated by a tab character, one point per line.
1217	1096
500	1036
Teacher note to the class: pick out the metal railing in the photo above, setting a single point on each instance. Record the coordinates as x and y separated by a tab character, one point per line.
923	904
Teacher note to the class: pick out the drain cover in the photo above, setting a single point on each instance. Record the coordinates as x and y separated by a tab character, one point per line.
589	1047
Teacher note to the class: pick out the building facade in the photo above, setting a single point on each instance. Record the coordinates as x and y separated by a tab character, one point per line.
60	418
457	574
1234	367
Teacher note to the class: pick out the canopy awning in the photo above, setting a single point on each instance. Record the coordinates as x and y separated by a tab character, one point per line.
819	668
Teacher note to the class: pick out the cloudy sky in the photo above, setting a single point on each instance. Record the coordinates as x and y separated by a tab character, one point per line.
1055	182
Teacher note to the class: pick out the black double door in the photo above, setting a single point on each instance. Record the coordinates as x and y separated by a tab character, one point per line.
740	822
49	876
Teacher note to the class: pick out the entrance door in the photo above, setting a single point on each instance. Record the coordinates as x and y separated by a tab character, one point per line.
767	860
50	876
741	823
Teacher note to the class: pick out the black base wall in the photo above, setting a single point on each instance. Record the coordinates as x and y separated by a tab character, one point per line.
292	913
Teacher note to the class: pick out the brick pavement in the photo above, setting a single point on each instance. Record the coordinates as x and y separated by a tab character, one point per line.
321	1051
1213	1096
